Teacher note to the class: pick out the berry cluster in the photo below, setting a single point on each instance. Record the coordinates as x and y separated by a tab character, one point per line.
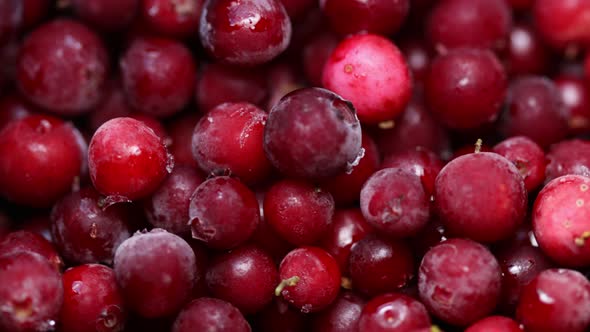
294	165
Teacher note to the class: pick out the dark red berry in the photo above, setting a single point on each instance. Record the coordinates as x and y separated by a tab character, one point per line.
174	18
342	316
223	213
92	300
31	242
156	272
568	157
495	324
106	15
394	312
575	95
374	16
209	314
180	131
527	156
563	24
526	53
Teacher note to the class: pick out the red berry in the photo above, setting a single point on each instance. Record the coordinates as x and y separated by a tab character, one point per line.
174	18
495	324
527	156
30	242
393	312
374	16
107	15
206	314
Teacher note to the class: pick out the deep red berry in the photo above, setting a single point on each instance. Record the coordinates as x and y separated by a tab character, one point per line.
370	71
31	242
220	84
568	157
459	281
223	213
310	279
92	300
14	107
393	312
377	266
31	293
374	16
395	203
347	228
575	95
279	316
180	131
245	277
526	53
534	109
556	300
316	53
156	272
42	157
168	206
469	23
127	160
63	67
174	18
561	220
465	88
342	316
34	11
11	13
106	15
159	75
418	55
228	140
527	156
563	23
210	314
246	32
495	324
298	211
481	196
312	133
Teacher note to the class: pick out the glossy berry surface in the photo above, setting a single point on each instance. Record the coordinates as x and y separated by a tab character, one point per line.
395	203
31	293
495	324
310	279
84	231
423	163
168	206
374	16
245	277
228	140
526	51
127	159
42	157
223	213
245	32
92	300
527	156
327	130
484	206
298	211
159	75
378	266
156	272
459	281
394	312
30	242
465	88
560	220
568	157
210	314
343	315
575	95
556	300
562	24
174	18
370	71
66	87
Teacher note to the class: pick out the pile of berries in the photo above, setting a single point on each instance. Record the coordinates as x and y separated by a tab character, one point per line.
294	165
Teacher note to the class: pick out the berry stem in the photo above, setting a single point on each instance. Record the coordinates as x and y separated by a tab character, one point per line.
478	144
581	240
286	283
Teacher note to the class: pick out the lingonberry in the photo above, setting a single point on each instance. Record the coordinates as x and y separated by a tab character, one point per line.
485	206
527	156
168	206
228	139
370	71
465	88
42	157
298	211
245	277
394	312
246	32
310	279
343	315
127	160
83	231
459	281
556	300
377	265
159	75
568	157
223	213
312	133
66	87
206	314
92	300
156	272
31	293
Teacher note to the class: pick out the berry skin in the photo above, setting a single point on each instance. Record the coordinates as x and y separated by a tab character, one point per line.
63	67
127	160
370	71
209	314
393	312
561	220
245	32
481	196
